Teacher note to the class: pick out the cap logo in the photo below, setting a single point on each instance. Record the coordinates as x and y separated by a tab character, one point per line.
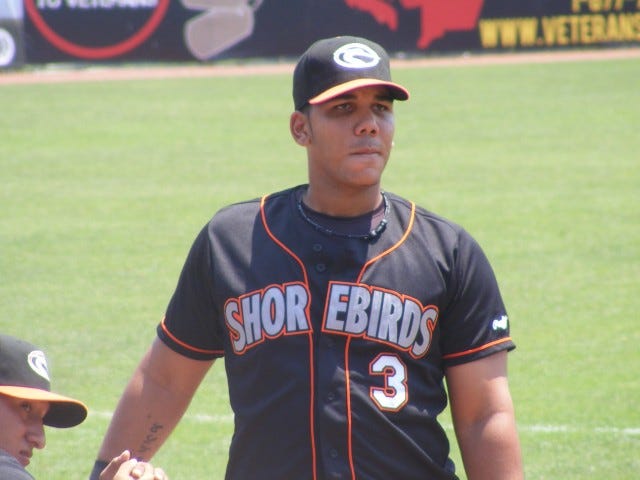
356	55
38	363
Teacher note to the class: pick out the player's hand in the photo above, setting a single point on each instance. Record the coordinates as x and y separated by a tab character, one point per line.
123	467
143	471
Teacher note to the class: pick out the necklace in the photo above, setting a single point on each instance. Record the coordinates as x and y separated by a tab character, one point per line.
371	235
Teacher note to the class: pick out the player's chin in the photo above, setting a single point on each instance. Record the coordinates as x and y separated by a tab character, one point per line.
368	161
24	459
371	166
366	178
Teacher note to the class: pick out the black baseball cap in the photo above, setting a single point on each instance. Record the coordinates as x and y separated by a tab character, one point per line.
24	374
333	66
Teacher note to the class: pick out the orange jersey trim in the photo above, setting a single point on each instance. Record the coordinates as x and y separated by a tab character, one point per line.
263	216
478	349
186	345
348	344
393	247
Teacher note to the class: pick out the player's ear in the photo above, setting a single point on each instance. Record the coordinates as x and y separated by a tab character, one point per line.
300	128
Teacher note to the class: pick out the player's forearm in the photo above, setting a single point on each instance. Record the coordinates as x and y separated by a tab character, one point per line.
153	402
144	418
491	449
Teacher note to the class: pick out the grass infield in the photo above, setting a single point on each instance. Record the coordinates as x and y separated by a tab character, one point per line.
105	184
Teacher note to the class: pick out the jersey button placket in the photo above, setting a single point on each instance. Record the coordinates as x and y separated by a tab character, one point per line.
319	258
334	455
331	431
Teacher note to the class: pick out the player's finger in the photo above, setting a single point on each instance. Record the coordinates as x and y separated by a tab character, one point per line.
160	475
114	465
142	470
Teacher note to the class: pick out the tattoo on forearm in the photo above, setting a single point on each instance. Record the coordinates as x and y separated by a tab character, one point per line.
151	438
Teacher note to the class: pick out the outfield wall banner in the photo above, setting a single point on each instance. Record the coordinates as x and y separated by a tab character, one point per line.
204	30
11	33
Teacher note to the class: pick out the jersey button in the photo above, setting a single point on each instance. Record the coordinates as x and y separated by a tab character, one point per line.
321	267
317	247
333	453
331	396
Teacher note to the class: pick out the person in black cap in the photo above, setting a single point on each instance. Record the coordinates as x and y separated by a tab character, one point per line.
340	310
27	404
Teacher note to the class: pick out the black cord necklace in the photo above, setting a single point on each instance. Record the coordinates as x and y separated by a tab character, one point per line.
371	235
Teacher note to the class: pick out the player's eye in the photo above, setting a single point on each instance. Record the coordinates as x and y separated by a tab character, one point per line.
383	107
26	407
342	107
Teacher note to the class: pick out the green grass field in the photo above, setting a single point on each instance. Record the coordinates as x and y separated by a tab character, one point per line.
104	185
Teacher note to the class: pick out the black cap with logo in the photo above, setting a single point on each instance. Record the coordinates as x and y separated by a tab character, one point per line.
333	66
24	374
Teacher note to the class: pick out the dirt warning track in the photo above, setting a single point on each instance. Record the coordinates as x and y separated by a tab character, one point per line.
66	73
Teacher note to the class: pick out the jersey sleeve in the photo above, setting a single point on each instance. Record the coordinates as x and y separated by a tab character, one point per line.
189	326
475	323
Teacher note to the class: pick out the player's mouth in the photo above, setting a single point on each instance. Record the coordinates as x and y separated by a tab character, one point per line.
367	150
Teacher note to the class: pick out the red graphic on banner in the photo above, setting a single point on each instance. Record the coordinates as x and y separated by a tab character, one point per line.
95	53
436	16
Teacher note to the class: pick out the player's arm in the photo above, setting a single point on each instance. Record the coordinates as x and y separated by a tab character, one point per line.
153	402
484	420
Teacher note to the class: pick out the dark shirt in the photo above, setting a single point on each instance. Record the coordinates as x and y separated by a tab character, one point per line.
343	336
10	468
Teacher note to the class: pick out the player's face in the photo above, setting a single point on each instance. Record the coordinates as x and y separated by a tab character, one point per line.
349	139
21	427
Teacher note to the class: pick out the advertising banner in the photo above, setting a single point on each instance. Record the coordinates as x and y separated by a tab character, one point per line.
11	33
204	30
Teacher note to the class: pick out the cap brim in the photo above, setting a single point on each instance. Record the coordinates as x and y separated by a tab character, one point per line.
398	92
64	412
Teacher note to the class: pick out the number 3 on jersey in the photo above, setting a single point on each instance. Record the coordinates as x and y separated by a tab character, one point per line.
393	396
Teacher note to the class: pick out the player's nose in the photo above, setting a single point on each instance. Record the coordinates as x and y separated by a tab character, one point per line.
36	435
367	124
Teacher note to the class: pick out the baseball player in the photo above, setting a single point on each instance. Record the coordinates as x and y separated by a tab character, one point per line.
340	310
27	404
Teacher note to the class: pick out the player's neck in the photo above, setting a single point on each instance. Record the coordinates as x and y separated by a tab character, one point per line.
343	203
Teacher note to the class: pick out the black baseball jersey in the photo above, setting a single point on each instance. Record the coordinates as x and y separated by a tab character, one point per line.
335	347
